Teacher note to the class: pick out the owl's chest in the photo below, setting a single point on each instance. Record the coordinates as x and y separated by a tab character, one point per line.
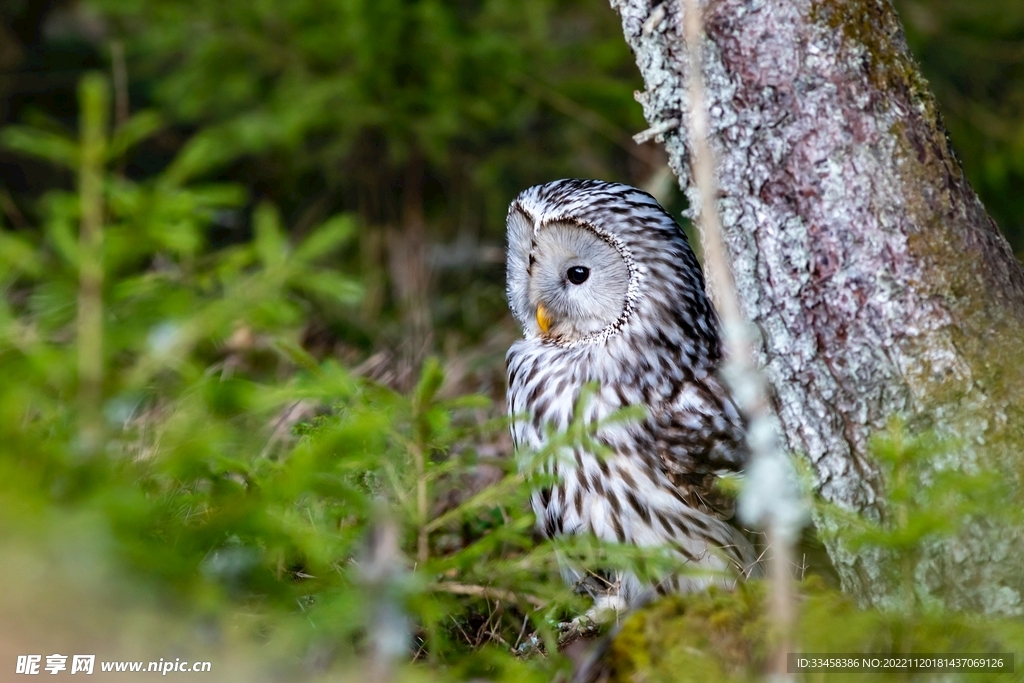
597	473
548	391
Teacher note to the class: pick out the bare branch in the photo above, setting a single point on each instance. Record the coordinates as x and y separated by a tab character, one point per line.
487	592
778	512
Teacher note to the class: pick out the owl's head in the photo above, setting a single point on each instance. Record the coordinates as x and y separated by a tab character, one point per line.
576	280
589	259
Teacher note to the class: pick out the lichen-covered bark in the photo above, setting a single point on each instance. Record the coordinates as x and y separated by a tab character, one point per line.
878	282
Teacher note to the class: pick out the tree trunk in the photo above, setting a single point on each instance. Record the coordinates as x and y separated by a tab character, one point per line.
879	284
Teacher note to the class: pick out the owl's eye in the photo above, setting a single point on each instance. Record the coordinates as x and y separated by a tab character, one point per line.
577	274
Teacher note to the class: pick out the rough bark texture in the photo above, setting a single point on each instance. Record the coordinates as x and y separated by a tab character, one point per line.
878	282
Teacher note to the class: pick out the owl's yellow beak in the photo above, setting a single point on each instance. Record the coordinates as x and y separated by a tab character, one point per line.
543	318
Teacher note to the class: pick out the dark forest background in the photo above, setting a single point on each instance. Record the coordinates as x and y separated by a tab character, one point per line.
422	119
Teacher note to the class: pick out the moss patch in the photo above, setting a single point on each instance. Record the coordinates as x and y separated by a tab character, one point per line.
715	636
725	635
875	27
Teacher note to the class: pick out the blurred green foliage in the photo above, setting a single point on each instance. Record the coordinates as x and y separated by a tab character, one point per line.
972	54
231	468
306	83
423	118
420	118
228	469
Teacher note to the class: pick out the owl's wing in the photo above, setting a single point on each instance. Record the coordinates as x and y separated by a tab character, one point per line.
699	436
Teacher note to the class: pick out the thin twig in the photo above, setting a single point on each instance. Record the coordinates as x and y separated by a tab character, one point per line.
95	100
584	115
522	632
382	570
11	210
119	69
657	129
487	592
422	502
747	384
657	16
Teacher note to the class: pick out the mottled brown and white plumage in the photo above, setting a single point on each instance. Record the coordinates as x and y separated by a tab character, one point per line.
609	293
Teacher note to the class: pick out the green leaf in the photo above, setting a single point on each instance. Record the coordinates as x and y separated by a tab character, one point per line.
132	132
204	153
298	355
330	285
61	227
271	244
335	232
19	255
431	379
52	147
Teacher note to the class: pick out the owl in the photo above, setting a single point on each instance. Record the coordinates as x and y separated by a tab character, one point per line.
611	297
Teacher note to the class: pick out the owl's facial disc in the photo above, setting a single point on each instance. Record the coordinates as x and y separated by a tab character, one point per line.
578	282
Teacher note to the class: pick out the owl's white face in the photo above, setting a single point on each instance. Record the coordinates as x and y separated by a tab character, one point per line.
577	282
